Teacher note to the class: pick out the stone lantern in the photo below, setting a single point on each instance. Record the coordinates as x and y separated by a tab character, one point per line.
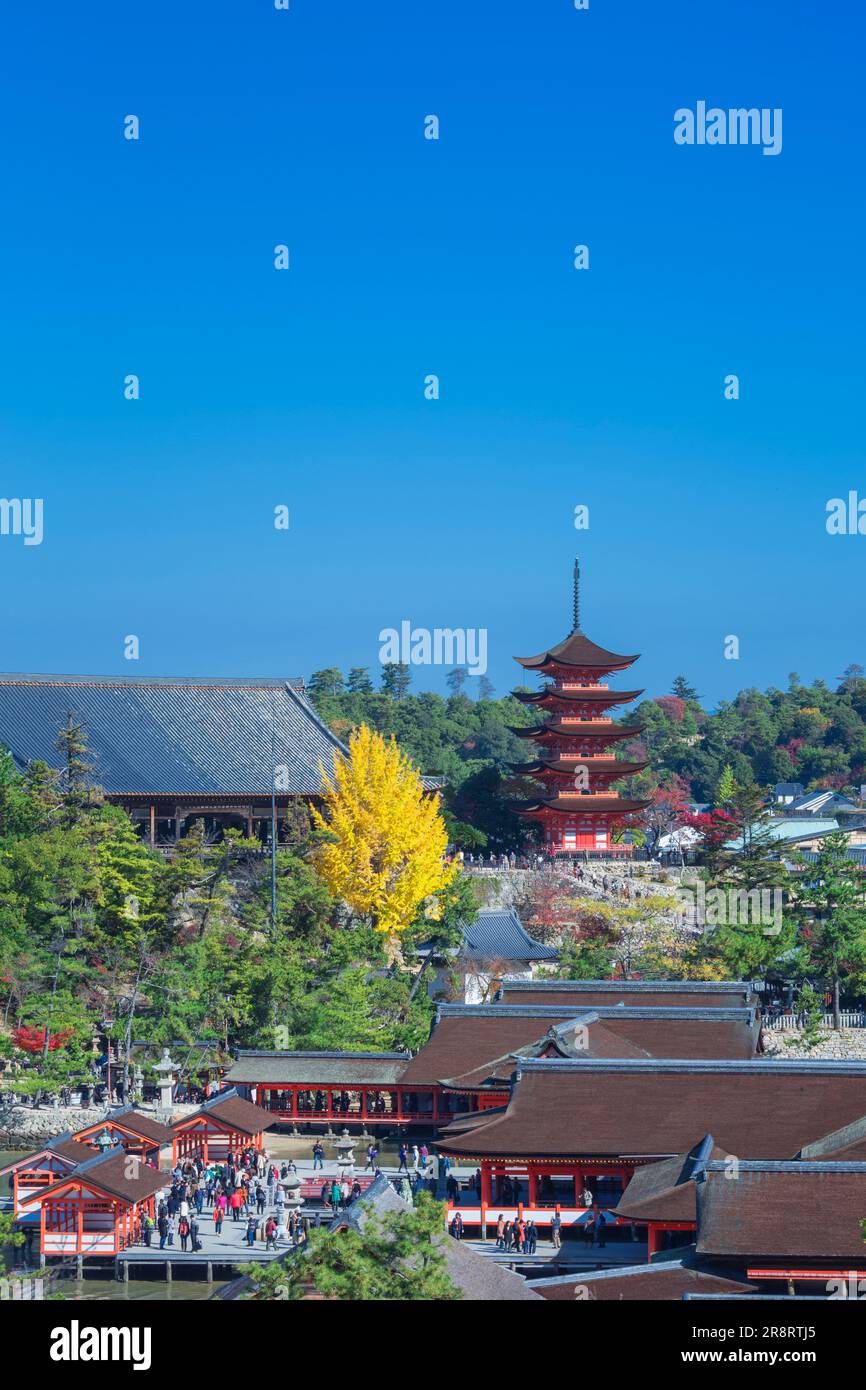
345	1155
291	1185
165	1069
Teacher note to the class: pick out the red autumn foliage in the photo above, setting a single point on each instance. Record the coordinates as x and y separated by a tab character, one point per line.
33	1039
716	827
672	706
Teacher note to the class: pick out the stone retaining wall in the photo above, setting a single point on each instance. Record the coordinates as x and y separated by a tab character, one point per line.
849	1044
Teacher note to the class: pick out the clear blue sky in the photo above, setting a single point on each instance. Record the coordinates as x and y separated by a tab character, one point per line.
411	257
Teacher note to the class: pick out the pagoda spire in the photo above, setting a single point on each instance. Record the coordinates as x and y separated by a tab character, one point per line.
576	614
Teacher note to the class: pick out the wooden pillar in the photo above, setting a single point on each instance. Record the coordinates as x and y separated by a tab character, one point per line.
152	823
532	1187
178	819
486	1185
653	1240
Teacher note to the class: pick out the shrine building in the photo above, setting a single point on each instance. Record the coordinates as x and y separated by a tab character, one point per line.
226	1124
593	1123
96	1208
173	750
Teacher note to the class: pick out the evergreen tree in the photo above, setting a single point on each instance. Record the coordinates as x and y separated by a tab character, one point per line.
358	681
683	690
832	901
396	678
396	1258
328	681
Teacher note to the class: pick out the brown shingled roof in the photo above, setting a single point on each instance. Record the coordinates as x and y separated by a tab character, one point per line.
665	1191
467	1037
649	1283
238	1114
805	1210
763	1109
588	993
138	1124
112	1173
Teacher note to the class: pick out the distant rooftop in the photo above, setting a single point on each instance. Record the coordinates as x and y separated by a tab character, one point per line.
183	736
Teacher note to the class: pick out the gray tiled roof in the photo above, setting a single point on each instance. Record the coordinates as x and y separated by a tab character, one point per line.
172	736
499	934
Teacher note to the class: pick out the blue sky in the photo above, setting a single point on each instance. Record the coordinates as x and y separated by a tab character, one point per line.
409	257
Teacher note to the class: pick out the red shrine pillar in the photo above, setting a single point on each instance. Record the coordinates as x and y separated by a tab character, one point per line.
486	1196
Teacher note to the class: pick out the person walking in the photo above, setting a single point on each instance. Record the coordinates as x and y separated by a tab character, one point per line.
457	1226
183	1231
556	1231
235	1203
270	1234
162	1226
500	1232
318	1155
403	1155
335	1194
531	1238
217	1219
252	1226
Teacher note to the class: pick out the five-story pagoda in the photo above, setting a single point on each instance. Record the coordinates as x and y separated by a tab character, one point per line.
576	808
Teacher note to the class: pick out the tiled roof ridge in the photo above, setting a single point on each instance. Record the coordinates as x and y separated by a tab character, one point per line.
604	1012
152	682
303	1052
756	1066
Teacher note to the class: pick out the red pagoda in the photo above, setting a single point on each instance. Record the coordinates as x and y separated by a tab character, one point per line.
577	808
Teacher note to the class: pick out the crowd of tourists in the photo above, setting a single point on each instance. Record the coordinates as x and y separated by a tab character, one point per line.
247	1190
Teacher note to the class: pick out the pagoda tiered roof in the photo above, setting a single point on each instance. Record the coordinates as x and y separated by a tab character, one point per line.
551	697
579	804
555	728
576	704
613	768
578	651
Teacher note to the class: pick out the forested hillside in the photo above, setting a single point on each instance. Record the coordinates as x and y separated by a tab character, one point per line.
814	734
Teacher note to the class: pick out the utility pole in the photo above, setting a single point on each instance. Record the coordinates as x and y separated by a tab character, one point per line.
273	822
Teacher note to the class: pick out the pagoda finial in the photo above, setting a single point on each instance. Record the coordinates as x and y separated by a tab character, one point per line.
576	625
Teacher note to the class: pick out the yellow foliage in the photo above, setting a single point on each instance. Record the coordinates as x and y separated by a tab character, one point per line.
386	839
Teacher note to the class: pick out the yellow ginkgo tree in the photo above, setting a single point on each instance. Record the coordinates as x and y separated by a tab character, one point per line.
384	851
